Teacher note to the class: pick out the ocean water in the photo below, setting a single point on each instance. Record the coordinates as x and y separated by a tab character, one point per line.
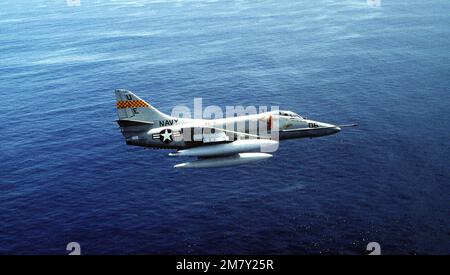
67	174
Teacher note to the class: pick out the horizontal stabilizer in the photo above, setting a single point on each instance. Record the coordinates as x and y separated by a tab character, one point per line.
129	123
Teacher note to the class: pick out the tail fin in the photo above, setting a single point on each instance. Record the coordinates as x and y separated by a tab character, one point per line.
132	108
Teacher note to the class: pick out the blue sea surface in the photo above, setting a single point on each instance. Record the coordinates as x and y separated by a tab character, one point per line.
67	175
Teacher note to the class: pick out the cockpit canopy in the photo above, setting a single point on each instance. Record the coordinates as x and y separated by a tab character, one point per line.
289	114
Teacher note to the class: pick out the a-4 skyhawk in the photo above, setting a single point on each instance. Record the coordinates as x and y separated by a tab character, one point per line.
214	142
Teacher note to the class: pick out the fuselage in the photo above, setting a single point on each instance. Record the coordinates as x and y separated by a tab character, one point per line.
279	125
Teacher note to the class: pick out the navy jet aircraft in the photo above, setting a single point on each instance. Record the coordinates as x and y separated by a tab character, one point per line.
215	142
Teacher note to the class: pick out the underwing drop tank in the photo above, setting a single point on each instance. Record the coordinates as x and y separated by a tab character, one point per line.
227	149
236	159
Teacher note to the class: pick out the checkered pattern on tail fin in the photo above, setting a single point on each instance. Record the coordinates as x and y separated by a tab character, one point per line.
132	108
